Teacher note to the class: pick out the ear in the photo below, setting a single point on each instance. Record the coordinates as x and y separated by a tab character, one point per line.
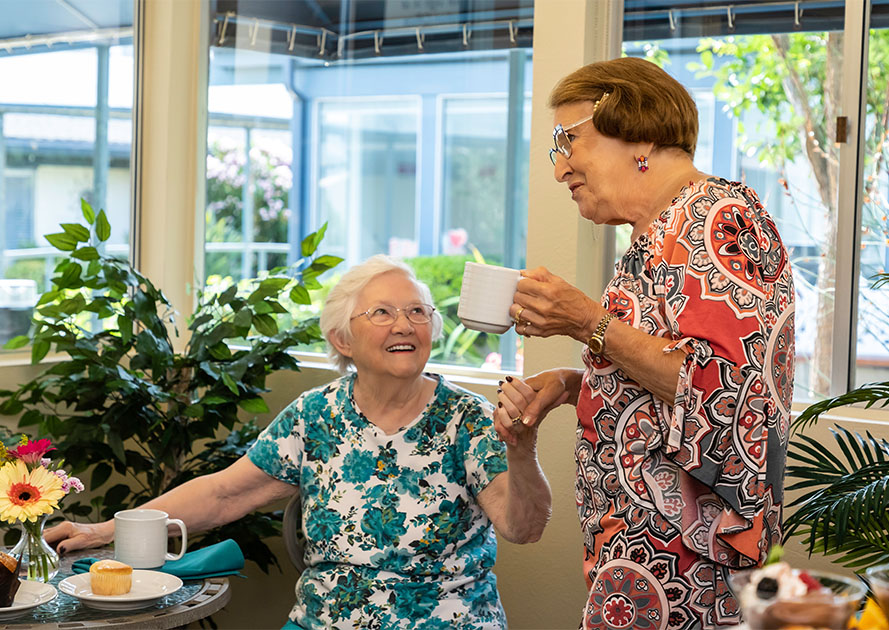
342	346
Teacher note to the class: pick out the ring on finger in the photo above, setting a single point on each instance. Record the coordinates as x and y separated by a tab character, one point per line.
517	318
516	420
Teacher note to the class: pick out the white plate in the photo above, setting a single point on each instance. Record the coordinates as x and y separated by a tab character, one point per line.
148	587
30	595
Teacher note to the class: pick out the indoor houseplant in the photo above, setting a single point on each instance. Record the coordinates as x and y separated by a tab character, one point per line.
844	505
125	400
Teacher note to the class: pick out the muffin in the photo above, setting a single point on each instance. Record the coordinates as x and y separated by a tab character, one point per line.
9	579
110	577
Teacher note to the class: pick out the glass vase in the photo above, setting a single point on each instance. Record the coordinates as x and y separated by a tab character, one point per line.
40	562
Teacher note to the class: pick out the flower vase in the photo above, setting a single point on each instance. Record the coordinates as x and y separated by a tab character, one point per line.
40	562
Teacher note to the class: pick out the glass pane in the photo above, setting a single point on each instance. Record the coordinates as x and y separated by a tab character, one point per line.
872	358
413	142
65	135
755	92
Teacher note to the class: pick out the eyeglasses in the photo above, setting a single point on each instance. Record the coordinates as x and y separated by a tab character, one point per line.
561	141
386	315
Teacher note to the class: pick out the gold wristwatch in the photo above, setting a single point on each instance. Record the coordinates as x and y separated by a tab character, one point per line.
597	341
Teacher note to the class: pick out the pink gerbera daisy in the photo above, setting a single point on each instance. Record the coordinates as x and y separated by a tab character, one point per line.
32	452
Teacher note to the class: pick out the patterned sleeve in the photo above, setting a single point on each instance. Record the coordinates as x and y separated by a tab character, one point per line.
724	282
484	455
278	451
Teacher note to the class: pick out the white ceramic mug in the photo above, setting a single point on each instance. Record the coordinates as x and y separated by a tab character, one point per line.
486	296
140	538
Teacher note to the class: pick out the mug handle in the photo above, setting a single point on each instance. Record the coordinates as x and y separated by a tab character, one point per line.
181	526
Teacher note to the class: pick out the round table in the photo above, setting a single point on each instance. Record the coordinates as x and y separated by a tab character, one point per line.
195	600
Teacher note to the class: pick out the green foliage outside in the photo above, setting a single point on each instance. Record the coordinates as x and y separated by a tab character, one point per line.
792	84
125	400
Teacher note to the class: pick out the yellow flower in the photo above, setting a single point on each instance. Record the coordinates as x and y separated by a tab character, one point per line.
25	495
872	618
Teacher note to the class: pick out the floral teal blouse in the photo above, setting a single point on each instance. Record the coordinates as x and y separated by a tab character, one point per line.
394	535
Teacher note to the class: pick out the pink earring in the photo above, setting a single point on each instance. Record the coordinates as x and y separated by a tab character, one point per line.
642	163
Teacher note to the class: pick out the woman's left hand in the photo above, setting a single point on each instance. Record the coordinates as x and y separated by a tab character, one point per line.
546	305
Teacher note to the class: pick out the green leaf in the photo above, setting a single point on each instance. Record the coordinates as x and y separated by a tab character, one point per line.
100	475
194	411
17	342
87	211
39	349
311	242
300	295
11	407
214	400
86	253
125	326
229	382
116	445
243	318
103	228
265	325
253	405
77	231
62	241
228	295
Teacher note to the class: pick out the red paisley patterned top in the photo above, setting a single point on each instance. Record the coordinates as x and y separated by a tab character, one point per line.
672	497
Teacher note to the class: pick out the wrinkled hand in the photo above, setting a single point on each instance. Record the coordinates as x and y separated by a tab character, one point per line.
68	536
546	305
522	405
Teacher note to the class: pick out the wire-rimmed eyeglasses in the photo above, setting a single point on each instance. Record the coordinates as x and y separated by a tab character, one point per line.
386	314
561	140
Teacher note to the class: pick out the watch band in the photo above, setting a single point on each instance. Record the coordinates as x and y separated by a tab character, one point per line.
597	340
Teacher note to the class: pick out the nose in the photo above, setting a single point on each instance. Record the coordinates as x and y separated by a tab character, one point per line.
402	323
561	169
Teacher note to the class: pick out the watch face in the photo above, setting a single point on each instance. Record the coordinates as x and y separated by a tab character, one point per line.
596	345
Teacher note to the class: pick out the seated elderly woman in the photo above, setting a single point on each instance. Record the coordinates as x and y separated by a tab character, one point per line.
401	475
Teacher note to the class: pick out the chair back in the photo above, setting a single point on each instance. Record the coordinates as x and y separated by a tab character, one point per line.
294	539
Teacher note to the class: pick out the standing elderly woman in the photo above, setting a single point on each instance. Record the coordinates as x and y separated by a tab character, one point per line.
401	475
684	404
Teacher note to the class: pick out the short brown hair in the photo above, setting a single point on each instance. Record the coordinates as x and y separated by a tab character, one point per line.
643	103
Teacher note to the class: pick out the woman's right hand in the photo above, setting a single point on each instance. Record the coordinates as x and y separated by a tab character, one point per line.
69	536
532	399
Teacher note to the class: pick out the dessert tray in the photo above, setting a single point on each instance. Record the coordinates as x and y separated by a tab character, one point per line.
30	595
148	588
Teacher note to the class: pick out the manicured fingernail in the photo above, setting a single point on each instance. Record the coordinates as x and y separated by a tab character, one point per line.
526	421
501	382
499	404
508	378
499	391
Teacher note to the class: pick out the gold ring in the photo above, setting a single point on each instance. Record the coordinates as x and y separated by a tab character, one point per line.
517	419
517	318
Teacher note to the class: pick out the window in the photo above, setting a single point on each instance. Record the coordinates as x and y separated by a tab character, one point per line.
774	72
405	131
65	134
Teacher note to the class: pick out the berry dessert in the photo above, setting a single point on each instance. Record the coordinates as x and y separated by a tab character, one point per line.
778	597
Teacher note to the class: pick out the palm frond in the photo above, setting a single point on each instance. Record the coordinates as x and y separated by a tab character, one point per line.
869	393
845	503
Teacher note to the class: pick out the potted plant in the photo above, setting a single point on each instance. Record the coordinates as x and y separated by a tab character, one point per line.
126	401
844	507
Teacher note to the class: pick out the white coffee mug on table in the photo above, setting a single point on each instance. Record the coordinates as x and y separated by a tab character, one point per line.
141	540
486	296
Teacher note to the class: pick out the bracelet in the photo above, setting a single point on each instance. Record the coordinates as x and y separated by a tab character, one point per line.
596	343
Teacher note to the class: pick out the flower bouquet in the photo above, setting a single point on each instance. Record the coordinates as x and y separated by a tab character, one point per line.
31	486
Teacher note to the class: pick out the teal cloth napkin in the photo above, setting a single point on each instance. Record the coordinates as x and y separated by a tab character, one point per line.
223	558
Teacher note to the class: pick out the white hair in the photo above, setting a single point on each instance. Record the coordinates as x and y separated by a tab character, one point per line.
342	299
